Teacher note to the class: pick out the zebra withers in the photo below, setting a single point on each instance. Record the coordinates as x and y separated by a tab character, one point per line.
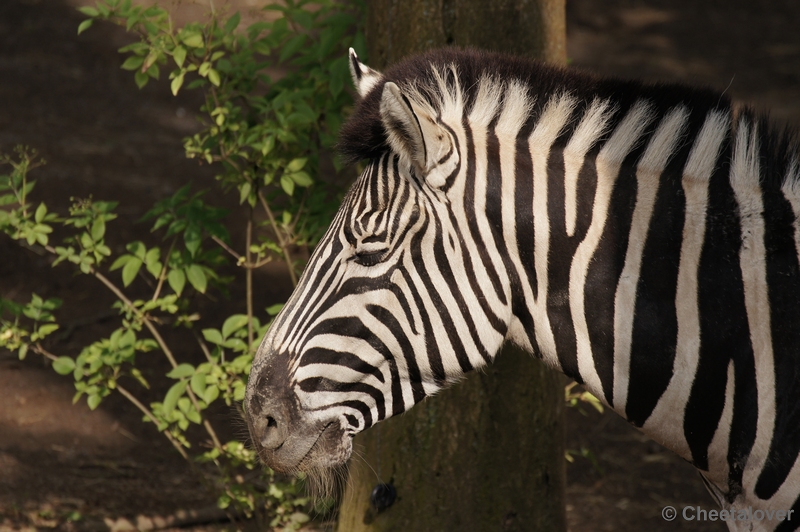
642	239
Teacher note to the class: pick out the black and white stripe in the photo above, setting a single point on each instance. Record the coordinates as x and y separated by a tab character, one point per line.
644	240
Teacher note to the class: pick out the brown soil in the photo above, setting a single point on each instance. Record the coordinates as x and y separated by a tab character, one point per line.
66	96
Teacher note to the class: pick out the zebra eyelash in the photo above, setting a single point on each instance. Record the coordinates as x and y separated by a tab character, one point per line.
369	257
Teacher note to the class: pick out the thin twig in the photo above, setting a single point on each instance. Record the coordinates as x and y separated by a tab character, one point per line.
130	397
159	340
226	247
249	278
203	346
283	244
163	275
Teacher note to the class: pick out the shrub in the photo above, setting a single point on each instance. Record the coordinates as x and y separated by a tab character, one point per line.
267	137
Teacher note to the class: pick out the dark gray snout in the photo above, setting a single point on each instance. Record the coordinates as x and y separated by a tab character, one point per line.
287	437
269	422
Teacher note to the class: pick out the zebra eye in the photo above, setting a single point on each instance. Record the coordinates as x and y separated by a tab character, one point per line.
369	257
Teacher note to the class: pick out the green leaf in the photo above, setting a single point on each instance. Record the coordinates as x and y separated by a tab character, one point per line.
213	77
197	278
89	11
233	324
213	336
181	371
23	350
192	39
274	309
176	280
46	329
94	401
41	212
296	164
236	344
302	179
136	374
174	393
98	229
192	238
198	384
232	23
179	55
244	192
194	416
85	25
299	517
291	47
64	365
211	394
175	86
141	79
130	270
287	184
239	391
120	262
134	62
154	265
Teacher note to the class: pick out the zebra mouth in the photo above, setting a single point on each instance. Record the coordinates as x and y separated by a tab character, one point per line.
305	462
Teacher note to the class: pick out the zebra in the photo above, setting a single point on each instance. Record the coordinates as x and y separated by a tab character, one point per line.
643	239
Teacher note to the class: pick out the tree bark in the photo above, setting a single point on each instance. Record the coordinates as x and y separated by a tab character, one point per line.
487	453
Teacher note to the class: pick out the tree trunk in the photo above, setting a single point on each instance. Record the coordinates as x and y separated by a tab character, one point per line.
487	453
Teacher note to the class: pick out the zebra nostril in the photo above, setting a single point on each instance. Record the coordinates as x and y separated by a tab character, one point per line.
271	431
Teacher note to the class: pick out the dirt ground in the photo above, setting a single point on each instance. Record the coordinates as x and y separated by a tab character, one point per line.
66	96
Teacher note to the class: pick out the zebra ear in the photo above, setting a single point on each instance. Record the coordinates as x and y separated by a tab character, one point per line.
364	78
412	131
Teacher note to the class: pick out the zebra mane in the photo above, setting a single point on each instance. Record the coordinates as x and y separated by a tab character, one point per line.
448	77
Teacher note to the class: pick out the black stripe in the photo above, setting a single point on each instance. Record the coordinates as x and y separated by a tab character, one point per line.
783	280
725	336
563	248
353	327
472	217
320	355
362	408
434	357
494	213
655	321
414	376
321	384
523	214
605	270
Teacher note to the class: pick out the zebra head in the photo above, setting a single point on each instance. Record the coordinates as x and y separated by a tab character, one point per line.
388	309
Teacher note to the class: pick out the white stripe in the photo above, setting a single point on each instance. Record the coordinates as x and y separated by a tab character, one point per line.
486	106
718	448
745	175
648	176
555	116
791	191
786	495
696	175
609	161
516	109
588	132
